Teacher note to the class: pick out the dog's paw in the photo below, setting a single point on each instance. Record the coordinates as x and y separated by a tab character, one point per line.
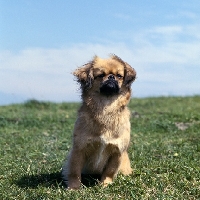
126	171
73	188
107	181
74	185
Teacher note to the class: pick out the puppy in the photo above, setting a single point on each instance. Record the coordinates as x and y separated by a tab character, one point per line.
102	129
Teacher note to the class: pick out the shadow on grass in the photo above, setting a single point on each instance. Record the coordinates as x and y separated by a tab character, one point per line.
46	180
52	180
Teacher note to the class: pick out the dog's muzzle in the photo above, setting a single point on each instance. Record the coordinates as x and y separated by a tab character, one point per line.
110	86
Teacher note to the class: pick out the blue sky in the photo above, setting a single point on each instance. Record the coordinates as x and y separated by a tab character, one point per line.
43	41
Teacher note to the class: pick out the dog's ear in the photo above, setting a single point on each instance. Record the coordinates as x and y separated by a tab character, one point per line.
84	75
130	75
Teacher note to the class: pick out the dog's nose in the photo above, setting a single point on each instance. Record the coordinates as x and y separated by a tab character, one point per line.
111	77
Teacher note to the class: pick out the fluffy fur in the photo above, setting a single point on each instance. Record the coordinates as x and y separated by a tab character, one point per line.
102	129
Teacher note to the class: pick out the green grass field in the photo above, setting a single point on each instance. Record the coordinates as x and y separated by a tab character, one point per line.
164	151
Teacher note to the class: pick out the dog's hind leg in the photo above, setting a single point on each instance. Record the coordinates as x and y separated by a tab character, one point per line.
125	166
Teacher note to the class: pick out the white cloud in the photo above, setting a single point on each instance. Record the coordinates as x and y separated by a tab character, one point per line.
188	15
170	68
167	30
45	74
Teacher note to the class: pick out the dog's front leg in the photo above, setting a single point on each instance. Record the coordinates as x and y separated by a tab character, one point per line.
111	169
76	162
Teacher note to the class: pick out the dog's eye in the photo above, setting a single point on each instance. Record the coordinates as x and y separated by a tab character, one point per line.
119	76
101	75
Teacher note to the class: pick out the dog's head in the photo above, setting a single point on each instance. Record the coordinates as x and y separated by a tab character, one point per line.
105	76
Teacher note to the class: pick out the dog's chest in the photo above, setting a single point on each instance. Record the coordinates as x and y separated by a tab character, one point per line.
106	140
106	146
101	154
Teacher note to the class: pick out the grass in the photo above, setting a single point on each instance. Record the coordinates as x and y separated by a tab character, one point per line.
164	151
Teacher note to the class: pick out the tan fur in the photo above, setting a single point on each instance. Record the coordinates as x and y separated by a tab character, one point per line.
102	129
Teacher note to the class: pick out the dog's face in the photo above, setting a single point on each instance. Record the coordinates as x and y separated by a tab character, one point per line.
105	76
108	76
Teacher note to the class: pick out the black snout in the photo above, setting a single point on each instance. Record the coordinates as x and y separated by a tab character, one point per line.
111	77
110	86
